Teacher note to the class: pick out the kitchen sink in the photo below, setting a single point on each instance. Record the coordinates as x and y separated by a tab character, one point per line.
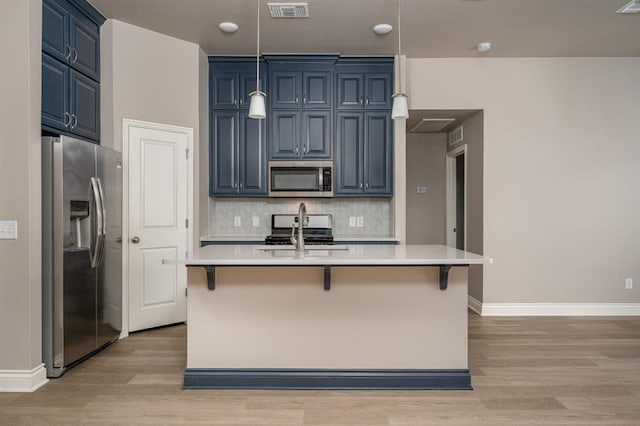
318	247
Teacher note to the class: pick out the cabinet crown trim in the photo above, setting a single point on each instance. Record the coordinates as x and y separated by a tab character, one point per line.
91	12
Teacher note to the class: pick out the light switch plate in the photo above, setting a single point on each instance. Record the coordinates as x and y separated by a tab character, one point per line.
352	221
8	229
360	221
256	221
237	221
421	190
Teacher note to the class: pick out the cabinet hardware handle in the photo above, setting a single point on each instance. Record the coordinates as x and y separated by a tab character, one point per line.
235	101
241	185
306	149
367	100
235	185
360	100
241	101
67	123
296	150
75	121
367	185
296	98
304	99
68	55
360	185
75	56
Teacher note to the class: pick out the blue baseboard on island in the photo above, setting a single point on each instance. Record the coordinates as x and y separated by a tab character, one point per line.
213	378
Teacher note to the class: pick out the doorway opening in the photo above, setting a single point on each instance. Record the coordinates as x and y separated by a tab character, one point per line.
457	198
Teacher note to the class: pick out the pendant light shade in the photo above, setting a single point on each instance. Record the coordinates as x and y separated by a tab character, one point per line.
257	107
400	108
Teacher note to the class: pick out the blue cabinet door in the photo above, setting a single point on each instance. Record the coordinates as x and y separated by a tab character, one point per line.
349	153
247	82
224	90
84	39
55	94
317	89
316	135
350	90
55	34
378	165
286	89
377	94
223	171
252	159
285	135
85	106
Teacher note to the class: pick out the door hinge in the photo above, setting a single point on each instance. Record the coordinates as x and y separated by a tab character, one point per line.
186	223
187	153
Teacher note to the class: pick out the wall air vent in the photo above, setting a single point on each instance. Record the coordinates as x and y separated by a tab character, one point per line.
431	125
456	136
289	10
631	7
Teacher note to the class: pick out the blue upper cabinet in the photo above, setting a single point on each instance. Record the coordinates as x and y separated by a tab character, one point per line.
71	68
301	105
364	165
70	36
231	81
296	88
364	83
237	156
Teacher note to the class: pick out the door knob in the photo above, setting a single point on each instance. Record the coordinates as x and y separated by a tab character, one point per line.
135	240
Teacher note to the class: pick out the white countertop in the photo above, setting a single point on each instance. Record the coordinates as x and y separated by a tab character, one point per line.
354	255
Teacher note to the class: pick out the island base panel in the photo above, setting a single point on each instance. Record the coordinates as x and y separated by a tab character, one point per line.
374	318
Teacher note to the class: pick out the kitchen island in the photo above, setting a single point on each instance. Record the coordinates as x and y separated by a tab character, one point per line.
333	317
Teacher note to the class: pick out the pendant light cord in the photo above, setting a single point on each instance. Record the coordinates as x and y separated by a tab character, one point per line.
258	51
399	52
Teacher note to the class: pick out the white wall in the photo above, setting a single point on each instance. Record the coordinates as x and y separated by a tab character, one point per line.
560	170
425	166
152	77
20	194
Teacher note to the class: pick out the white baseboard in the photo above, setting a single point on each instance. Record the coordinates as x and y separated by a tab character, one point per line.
554	309
23	380
475	305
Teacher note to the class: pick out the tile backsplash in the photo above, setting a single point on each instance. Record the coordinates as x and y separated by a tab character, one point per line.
377	215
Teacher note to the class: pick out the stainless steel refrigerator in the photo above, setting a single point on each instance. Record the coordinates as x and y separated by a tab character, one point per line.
81	250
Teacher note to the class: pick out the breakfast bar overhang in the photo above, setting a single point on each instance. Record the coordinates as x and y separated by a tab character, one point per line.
271	324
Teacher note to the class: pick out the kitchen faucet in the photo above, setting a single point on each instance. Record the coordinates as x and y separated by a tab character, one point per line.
302	220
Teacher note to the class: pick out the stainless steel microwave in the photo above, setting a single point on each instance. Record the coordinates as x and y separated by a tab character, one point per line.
301	179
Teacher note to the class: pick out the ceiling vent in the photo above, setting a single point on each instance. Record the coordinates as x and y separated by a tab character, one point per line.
455	136
289	10
431	125
631	7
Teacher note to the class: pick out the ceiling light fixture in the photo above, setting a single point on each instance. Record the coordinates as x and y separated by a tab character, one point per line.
257	106
400	110
485	46
631	7
382	29
228	27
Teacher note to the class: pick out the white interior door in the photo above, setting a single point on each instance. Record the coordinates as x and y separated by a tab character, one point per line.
157	227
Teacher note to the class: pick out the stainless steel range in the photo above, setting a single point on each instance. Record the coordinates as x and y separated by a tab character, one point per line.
318	229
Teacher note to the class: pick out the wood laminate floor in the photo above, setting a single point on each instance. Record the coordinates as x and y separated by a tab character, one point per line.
525	371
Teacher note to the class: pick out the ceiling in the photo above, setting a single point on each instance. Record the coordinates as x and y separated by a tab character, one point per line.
430	28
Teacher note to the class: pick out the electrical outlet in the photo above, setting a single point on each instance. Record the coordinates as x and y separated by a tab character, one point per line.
255	221
352	221
237	221
628	283
360	221
421	189
8	229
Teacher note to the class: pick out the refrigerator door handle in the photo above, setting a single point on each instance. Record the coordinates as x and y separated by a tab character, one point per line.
99	237
104	221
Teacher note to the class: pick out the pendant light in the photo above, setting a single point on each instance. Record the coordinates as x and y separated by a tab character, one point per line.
257	106
400	108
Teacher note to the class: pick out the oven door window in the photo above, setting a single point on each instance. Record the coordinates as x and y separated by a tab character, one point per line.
298	179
